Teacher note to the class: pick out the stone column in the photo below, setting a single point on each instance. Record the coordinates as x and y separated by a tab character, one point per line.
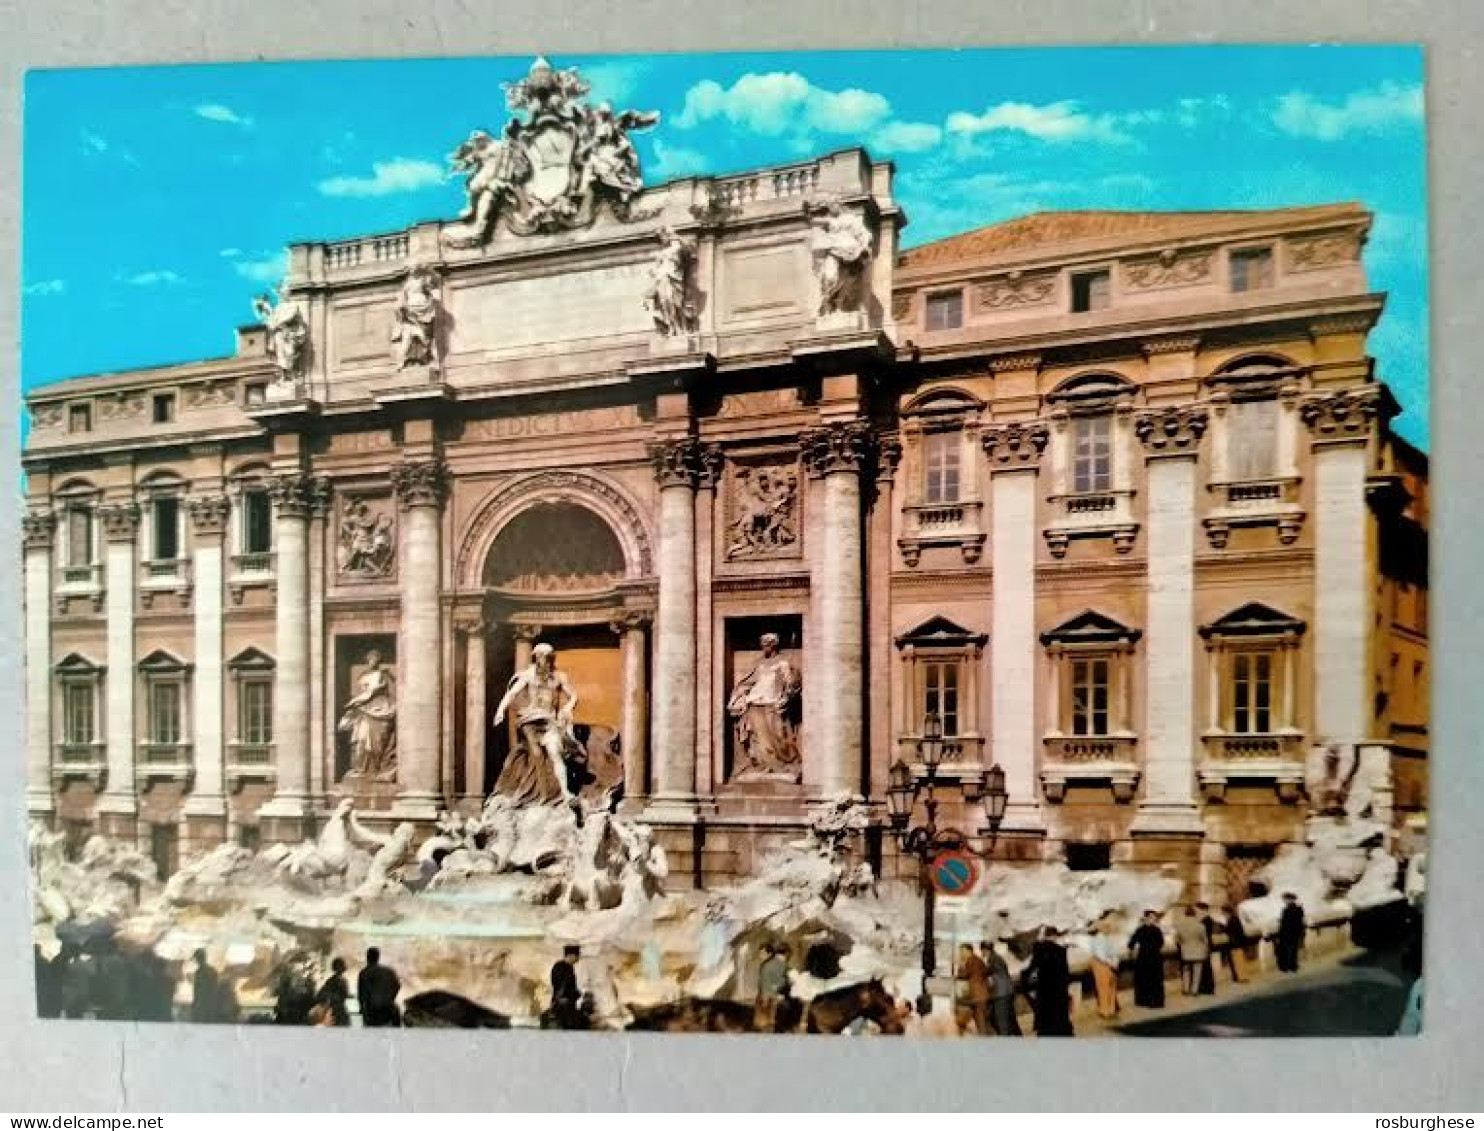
1171	438
207	801
1341	425
632	727
709	475
422	487
120	530
834	694
880	651
295	496
1015	451
37	530
676	465
476	710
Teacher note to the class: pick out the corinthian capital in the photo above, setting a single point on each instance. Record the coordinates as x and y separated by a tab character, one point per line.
1173	431
208	513
842	446
420	483
712	464
1017	446
297	495
120	521
677	462
37	528
1345	415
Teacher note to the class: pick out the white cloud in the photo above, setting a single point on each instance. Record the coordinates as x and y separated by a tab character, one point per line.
92	143
906	137
613	82
45	287
387	177
267	268
152	279
230	252
1301	114
783	102
677	161
216	112
1053	122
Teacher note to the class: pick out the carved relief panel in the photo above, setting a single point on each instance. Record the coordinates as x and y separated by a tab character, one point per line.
762	511
365	536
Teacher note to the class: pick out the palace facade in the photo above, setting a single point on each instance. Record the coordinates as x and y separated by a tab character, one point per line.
1111	494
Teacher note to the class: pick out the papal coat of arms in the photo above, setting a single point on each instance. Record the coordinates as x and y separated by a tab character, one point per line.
552	169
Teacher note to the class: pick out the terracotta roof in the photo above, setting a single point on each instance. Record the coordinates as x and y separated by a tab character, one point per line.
1042	229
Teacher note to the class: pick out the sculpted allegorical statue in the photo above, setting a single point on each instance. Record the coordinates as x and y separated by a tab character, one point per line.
370	719
288	340
763	706
610	157
842	251
668	297
417	317
536	771
493	170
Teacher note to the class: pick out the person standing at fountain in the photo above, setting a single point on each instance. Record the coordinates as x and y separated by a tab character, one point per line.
1291	930
212	999
1106	955
535	773
1236	946
1002	989
973	971
377	988
1195	950
1208	972
566	997
1049	981
333	994
1148	946
772	988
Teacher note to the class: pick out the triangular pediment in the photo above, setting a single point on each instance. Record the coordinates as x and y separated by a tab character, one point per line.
75	663
251	659
1254	619
940	632
162	661
1091	627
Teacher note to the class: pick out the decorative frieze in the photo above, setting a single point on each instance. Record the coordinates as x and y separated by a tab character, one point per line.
1014	362
842	446
1016	289
45	417
676	462
1341	324
1342	415
901	306
1017	446
420	483
37	529
297	495
1168	269
1172	431
120	521
1333	249
208	513
120	406
1182	343
210	394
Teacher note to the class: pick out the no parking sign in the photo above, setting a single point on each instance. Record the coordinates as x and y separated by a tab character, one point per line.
954	873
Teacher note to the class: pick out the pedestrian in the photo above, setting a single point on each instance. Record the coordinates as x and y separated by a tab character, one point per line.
977	993
1106	956
1236	947
1208	973
1048	982
772	988
48	985
77	981
1002	991
209	993
566	997
293	991
377	987
1148	946
333	994
1291	931
1195	949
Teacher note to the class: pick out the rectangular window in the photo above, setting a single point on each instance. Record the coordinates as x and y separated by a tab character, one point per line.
1252	693
942	452
945	311
80	418
77	708
254	394
1252	269
255	712
1092	453
165	528
940	686
164	713
1090	696
79	536
1090	291
164	407
257	522
1252	440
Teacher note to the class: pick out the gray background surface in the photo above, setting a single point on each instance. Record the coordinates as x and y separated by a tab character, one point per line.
63	1067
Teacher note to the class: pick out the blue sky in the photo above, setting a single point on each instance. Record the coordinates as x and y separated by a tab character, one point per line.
158	199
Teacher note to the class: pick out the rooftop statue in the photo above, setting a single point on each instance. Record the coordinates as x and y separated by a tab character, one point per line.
288	339
554	165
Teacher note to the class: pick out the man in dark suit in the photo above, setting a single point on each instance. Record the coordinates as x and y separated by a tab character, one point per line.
378	987
566	997
1291	931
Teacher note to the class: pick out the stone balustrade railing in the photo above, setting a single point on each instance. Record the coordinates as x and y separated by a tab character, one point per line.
1241	747
777	184
373	249
1091	748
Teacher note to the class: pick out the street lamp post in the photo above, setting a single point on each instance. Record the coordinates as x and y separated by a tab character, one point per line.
905	786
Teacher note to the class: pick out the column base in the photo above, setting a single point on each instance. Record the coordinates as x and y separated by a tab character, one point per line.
286	806
417	807
1168	818
671	807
